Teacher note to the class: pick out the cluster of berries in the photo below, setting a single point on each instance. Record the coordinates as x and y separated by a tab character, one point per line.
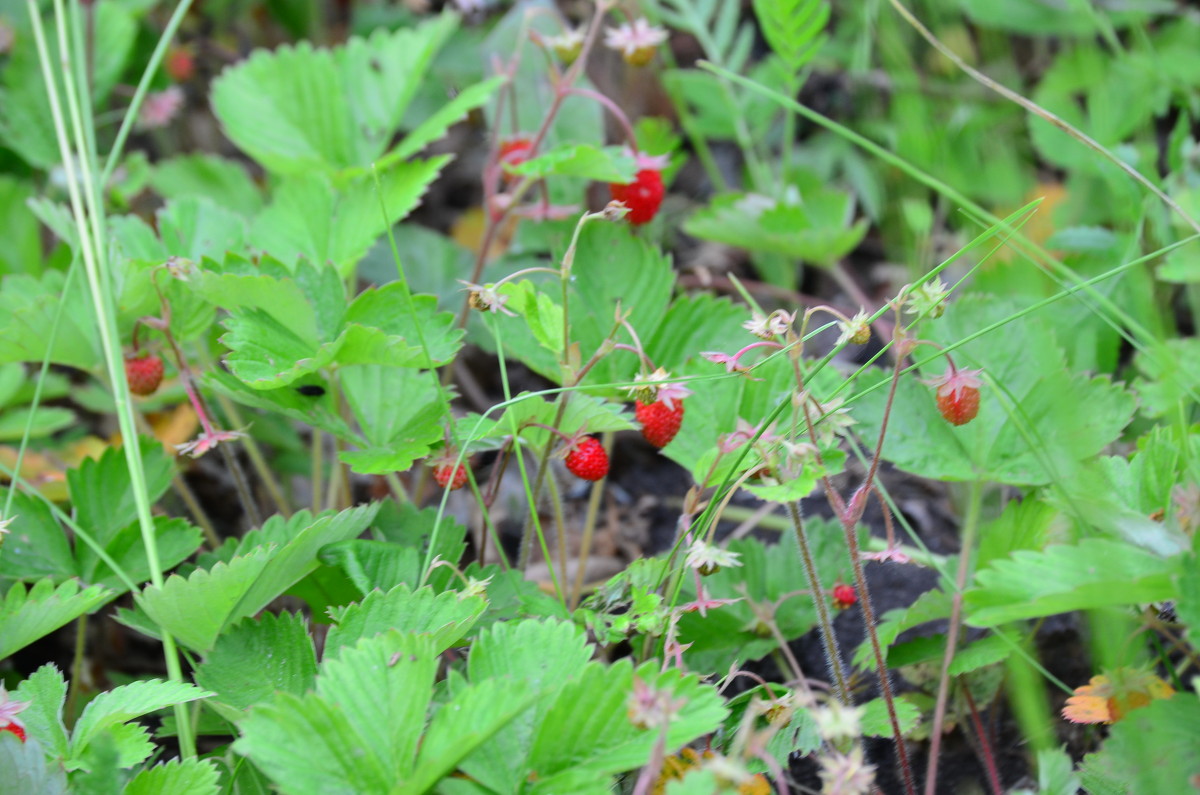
642	197
587	458
660	423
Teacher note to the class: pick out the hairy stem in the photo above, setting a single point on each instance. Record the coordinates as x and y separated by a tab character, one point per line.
833	654
970	526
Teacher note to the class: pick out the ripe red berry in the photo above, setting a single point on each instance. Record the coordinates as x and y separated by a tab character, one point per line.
448	473
844	596
180	65
144	373
959	407
958	395
15	729
642	196
587	459
659	423
515	151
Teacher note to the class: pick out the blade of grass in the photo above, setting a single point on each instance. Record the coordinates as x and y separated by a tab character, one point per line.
1121	321
88	217
1037	110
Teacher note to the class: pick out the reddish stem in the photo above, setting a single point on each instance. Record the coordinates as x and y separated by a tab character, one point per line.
985	747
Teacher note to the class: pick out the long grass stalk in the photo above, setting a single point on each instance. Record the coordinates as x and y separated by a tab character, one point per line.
87	213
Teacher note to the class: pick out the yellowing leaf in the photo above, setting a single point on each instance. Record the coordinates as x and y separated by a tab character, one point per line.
1040	225
1108	698
46	471
175	427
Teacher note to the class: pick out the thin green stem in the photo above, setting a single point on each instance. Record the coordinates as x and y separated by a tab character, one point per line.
1124	323
532	524
82	534
70	712
261	468
537	526
560	528
969	530
88	216
196	510
1039	111
143	87
51	339
589	527
316	468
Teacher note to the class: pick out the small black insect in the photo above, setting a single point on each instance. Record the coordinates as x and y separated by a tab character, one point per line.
311	390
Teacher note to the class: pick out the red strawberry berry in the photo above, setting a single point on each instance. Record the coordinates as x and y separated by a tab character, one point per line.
450	474
642	196
144	373
659	423
180	65
515	151
958	395
959	407
587	459
15	729
844	596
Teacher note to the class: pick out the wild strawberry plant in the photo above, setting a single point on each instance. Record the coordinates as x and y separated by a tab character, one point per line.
355	478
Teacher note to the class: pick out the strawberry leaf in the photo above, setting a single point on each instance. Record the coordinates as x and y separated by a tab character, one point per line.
308	746
603	164
114	707
310	217
1026	432
28	307
281	328
18	228
299	109
255	658
1093	573
37	547
269	561
405	535
224	182
26	616
195	227
103	496
446	617
46	692
587	732
197	609
28	768
383	685
1169	372
177	539
816	230
694	322
176	777
874	719
399	410
471	720
543	654
359	729
1152	749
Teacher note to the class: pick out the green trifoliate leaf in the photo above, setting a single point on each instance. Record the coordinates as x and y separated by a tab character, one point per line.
1059	579
26	615
300	109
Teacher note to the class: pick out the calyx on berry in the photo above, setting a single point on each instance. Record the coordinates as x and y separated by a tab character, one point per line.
957	394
